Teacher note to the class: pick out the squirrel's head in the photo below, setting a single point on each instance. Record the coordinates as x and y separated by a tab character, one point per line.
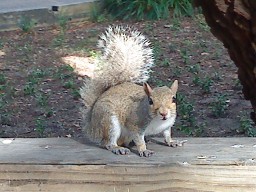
162	100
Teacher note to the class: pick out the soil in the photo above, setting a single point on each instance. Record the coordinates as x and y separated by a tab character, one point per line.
39	91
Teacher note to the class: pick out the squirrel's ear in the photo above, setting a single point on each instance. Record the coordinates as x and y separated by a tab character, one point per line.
147	89
174	87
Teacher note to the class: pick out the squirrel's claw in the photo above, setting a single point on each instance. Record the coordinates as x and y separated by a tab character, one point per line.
121	151
146	153
175	143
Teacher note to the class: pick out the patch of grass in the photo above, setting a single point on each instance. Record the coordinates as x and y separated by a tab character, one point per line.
177	71
172	47
27	48
150	9
63	23
157	51
1	43
219	106
216	76
2	87
186	114
64	72
185	56
58	40
2	101
26	24
246	126
2	79
199	18
97	15
40	125
149	28
35	75
5	119
195	69
49	113
202	44
204	83
237	85
69	84
41	99
181	7
76	94
29	89
166	63
9	91
176	24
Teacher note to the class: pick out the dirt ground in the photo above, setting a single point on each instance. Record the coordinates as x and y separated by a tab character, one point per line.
39	90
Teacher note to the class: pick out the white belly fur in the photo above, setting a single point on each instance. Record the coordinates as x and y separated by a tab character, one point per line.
158	125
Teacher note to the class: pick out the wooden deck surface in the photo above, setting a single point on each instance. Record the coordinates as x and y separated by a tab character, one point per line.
63	164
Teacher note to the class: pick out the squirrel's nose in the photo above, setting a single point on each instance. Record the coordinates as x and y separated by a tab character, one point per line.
163	114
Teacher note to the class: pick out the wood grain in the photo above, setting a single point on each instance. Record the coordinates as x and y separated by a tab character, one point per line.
62	164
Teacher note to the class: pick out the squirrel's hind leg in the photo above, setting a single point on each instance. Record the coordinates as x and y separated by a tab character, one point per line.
114	134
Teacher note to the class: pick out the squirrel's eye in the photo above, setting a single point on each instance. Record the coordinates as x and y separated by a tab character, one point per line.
150	101
174	99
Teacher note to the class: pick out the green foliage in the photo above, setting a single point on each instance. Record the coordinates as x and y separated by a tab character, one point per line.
148	9
157	51
201	22
41	99
181	7
2	79
185	56
40	126
176	24
97	15
58	40
35	75
219	106
63	22
64	72
195	69
177	71
204	83
2	103
29	89
186	113
69	84
76	94
26	24
246	126
166	63
5	119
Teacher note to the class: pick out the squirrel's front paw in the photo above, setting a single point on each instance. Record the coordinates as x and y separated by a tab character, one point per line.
175	143
118	150
146	153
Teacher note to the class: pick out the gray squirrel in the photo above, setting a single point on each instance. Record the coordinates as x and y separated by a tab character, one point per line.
117	110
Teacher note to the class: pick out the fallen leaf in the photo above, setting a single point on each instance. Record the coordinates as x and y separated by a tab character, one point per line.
2	53
7	141
201	157
237	146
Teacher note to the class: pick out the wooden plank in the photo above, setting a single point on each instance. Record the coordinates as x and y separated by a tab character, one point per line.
227	151
62	164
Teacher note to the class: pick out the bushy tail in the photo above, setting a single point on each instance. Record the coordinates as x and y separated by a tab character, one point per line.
126	57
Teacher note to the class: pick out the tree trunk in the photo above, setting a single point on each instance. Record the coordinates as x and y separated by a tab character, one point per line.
234	23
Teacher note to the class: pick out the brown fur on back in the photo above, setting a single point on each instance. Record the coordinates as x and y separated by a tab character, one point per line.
119	100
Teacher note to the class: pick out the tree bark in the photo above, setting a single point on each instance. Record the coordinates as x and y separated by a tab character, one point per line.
234	23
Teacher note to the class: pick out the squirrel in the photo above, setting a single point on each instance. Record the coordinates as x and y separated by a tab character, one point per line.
119	110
